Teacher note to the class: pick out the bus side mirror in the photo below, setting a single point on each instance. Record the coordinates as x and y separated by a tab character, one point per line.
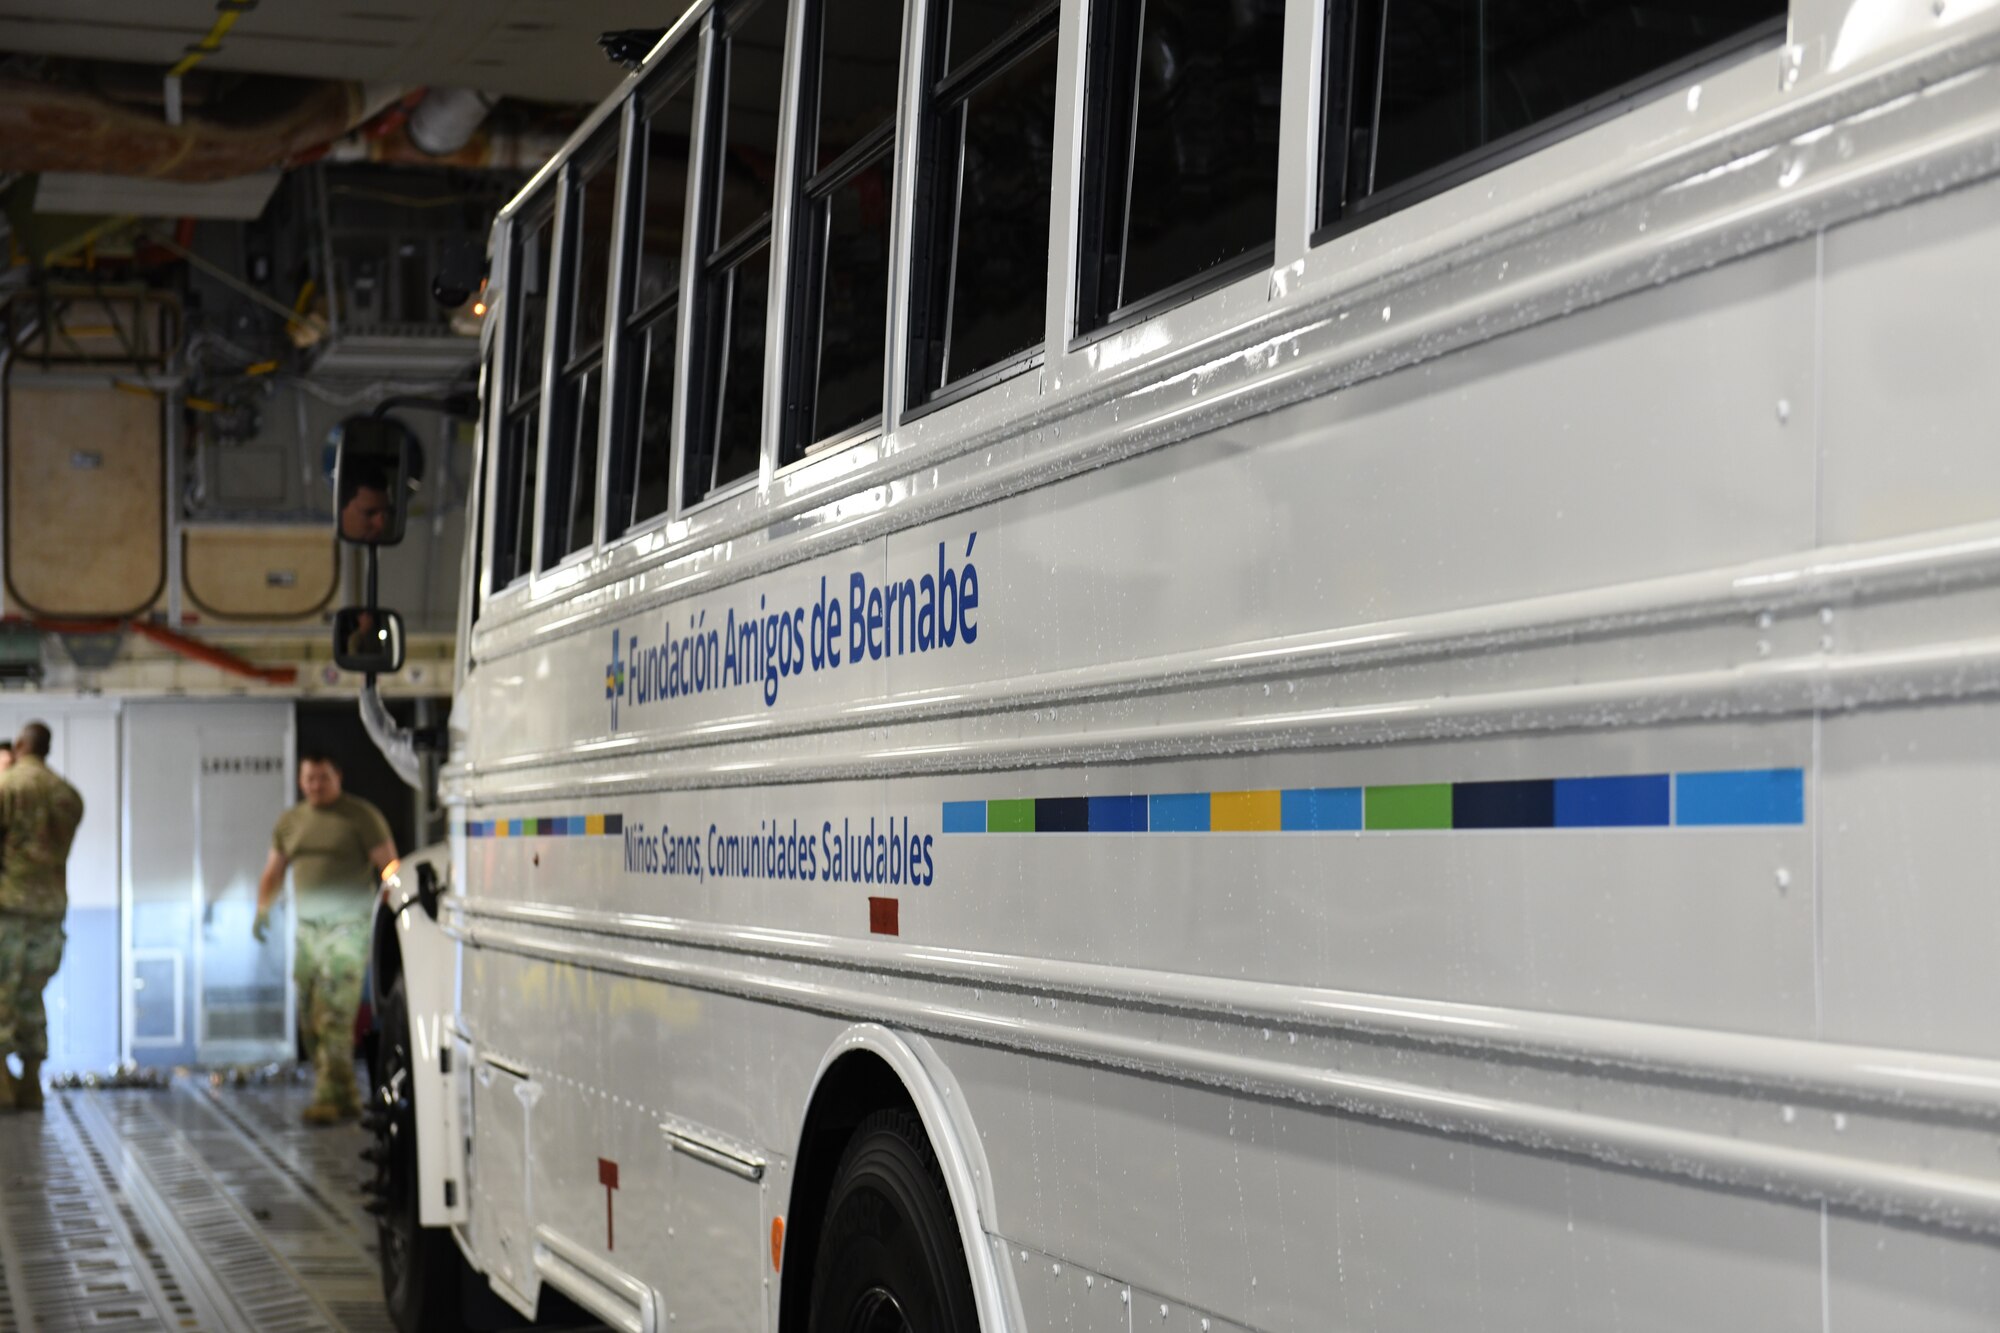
368	639
375	462
460	273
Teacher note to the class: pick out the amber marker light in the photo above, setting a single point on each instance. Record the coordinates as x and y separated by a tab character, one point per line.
389	871
777	1241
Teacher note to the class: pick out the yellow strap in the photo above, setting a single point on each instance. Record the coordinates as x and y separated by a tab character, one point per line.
207	45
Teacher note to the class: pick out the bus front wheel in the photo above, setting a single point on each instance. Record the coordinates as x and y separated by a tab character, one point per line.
421	1278
889	1256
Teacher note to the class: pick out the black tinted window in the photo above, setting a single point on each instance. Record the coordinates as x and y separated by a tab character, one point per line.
573	470
1437	84
643	436
530	299
724	434
854	298
752	60
978	24
663	215
514	499
862	42
1182	133
594	208
731	450
981	265
590	192
515	459
840	264
649	486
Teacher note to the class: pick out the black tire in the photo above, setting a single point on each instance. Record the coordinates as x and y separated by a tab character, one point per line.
889	1255
422	1270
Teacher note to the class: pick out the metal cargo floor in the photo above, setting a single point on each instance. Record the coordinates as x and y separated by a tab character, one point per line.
190	1208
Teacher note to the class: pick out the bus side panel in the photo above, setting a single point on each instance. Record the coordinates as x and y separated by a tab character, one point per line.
1286	1218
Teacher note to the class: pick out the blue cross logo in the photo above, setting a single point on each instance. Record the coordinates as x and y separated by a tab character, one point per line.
614	680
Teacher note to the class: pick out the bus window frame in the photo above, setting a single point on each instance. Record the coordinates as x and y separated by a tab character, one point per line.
1344	31
941	96
1102	140
711	259
564	368
809	191
680	70
519	225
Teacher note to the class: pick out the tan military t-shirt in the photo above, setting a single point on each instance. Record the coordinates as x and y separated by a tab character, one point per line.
328	849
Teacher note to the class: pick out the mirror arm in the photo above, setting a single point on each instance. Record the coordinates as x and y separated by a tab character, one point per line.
397	744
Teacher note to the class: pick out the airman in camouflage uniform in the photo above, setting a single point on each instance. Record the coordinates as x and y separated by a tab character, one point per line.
39	813
335	846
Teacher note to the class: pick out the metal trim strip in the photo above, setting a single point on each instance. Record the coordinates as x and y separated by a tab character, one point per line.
1887	1189
1926	564
682	1140
1960	1084
1773	688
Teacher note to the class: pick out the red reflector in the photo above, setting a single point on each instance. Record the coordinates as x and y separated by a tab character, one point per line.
607	1173
882	916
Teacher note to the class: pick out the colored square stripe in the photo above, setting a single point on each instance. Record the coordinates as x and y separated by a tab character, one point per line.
1062	814
593	825
1754	796
965	816
1117	814
1642	801
1243	812
1528	804
1320	809
1010	816
1423	806
884	916
1181	812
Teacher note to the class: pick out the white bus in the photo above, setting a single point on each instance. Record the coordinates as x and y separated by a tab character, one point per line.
1289	665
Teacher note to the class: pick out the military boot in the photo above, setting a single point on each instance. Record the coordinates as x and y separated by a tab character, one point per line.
28	1087
328	1113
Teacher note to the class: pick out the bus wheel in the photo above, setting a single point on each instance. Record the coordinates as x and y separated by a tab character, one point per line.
889	1255
420	1265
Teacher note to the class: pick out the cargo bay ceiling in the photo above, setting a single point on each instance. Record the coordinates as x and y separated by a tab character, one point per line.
202	276
544	50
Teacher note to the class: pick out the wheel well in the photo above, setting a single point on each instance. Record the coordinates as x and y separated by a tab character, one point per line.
854	1087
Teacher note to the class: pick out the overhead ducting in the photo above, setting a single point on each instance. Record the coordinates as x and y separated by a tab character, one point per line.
50	126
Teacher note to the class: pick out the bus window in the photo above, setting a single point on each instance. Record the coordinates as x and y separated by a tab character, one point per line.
841	267
642	457
1181	148
590	194
514	473
725	445
1445	87
983	223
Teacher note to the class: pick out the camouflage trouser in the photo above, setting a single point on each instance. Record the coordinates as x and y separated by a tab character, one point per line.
31	950
328	967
